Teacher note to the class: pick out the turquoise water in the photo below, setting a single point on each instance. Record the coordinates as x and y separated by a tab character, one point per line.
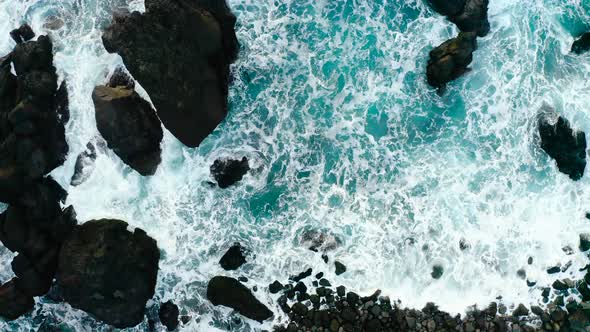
329	102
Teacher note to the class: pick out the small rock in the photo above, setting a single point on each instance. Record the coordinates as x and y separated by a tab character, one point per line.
169	315
275	287
233	258
584	242
521	310
228	172
340	268
437	271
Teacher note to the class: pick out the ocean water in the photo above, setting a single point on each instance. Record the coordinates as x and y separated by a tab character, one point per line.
329	102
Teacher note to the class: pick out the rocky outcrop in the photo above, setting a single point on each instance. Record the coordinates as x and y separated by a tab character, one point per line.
228	172
32	132
582	44
451	59
468	15
22	34
563	144
233	258
128	124
34	226
231	293
108	271
180	52
169	315
14	303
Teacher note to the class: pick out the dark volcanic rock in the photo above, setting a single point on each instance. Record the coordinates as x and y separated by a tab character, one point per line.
84	165
317	240
14	303
228	172
169	315
108	271
448	7
584	242
180	52
567	147
437	272
122	79
32	132
233	258
582	44
22	34
468	15
340	268
130	127
231	293
449	60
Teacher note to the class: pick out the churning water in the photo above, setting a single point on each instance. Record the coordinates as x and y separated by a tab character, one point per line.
329	102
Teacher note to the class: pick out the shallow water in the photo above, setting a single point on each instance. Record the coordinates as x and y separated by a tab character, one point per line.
330	104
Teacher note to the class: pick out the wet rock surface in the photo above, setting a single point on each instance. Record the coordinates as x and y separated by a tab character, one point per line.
233	258
228	172
565	145
108	271
451	59
581	44
468	15
180	52
169	315
231	293
84	165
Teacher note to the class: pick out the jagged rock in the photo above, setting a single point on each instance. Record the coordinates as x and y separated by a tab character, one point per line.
228	172
169	315
450	60
32	131
582	44
180	52
468	15
14	303
521	310
275	287
120	78
584	242
108	271
231	293
84	165
130	127
301	275
233	258
22	34
563	144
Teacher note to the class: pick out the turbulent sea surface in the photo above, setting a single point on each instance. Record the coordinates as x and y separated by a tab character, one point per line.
329	102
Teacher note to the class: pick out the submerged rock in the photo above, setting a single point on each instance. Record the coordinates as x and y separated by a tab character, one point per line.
228	172
468	15
582	44
109	272
563	144
22	34
180	52
13	303
316	240
233	258
84	165
169	315
231	293
130	127
450	60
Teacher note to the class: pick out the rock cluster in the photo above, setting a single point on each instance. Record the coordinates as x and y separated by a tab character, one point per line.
451	59
563	144
180	52
32	135
128	124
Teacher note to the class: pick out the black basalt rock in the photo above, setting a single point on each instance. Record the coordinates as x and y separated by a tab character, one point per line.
231	293
565	145
468	15
169	315
228	172
451	59
233	258
180	52
582	44
14	303
22	34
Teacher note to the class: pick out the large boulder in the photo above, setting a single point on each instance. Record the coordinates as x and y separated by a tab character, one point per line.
130	127
582	44
32	133
13	303
180	52
108	271
231	293
468	15
451	59
565	145
228	172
